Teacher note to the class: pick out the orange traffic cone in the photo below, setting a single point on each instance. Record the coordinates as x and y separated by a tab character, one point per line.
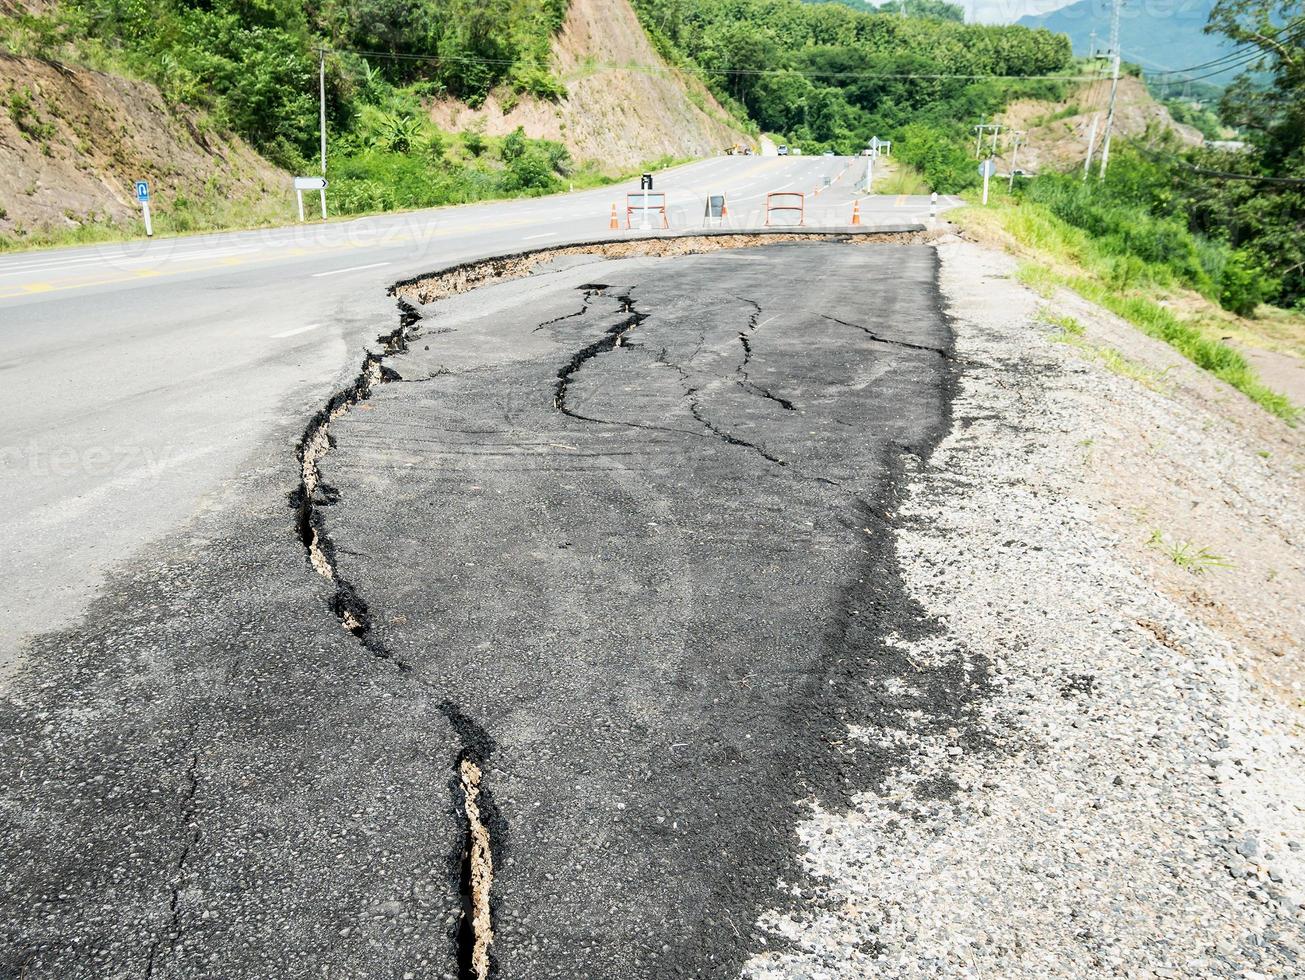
856	212
613	223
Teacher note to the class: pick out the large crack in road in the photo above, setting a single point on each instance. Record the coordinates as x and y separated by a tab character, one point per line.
571	548
565	635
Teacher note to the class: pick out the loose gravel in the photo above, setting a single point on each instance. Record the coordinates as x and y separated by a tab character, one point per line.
1136	807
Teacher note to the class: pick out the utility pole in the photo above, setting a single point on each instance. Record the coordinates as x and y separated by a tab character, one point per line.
321	117
1092	143
1014	155
978	142
1114	85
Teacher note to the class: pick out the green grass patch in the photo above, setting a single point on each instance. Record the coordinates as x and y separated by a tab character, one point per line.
1118	280
1070	332
901	179
1187	554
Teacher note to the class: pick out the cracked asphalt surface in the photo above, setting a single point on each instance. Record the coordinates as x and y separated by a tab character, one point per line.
624	531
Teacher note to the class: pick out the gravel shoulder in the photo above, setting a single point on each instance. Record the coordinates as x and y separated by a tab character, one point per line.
1136	808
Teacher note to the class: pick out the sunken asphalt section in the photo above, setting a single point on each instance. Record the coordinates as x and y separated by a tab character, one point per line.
617	539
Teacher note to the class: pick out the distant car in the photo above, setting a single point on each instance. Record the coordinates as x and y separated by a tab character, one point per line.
783	150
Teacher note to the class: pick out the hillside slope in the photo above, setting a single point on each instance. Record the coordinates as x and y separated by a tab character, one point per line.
72	141
614	114
1057	132
1159	37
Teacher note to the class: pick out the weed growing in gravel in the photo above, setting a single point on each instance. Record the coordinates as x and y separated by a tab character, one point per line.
1070	331
1186	554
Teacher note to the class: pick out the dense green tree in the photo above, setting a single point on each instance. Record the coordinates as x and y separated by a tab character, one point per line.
1265	219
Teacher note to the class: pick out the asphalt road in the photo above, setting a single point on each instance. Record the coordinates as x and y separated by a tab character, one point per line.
620	533
142	377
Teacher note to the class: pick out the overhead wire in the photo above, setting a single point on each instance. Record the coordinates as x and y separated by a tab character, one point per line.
921	76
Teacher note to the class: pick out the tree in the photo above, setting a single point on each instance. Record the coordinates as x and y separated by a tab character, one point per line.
1265	219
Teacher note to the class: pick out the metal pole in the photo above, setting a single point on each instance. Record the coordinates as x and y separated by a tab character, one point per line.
978	142
149	225
1114	85
300	195
1014	156
321	102
986	174
1092	143
995	130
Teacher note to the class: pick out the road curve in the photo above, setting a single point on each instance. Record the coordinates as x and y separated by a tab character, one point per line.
143	375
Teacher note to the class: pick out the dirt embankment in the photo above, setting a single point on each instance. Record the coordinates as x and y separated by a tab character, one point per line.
1056	133
616	111
73	141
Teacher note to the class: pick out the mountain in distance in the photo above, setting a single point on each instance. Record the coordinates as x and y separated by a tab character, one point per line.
1160	37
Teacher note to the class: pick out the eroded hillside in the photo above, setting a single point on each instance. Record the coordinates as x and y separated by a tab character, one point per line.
1056	133
73	140
616	110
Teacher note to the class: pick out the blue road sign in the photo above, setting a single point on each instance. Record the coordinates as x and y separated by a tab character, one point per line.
987	168
142	191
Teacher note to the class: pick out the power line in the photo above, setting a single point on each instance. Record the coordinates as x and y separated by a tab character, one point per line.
1226	175
919	76
1222	174
1293	31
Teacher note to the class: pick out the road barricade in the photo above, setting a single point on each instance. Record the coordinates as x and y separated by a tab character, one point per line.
715	210
644	202
788	202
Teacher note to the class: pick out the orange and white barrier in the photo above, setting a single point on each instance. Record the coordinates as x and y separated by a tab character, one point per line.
644	202
787	201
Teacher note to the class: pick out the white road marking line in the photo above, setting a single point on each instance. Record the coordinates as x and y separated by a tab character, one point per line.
296	330
531	238
352	268
72	264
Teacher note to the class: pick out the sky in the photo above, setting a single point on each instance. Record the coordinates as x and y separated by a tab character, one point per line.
1006	11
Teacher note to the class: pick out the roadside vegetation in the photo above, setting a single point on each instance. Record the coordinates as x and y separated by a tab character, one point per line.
1191	246
252	69
1127	274
835	76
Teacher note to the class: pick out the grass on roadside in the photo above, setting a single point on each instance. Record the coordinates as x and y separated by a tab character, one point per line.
367	184
1062	256
1188	555
894	177
1071	333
